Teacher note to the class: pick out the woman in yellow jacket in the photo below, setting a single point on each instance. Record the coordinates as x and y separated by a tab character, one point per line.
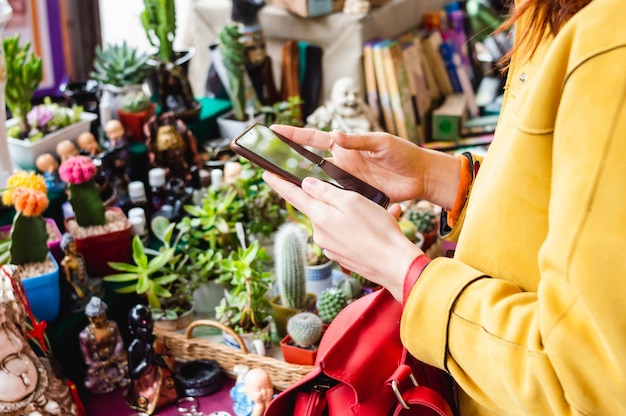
529	316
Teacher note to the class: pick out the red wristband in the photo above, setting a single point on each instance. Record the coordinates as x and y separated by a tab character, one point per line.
415	270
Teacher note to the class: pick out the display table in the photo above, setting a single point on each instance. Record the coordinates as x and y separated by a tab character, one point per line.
341	36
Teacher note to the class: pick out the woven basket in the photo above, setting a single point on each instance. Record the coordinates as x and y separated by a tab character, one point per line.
186	348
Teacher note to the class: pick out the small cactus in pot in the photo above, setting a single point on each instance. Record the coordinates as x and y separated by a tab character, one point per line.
305	329
79	173
330	303
290	262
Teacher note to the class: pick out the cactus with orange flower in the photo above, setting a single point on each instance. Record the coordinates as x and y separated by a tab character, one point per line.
79	173
26	191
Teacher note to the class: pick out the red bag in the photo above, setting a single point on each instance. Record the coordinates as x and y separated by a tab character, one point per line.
363	369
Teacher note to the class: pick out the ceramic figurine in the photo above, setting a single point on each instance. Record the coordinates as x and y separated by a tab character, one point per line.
150	365
258	387
66	149
116	159
88	144
346	110
49	167
83	287
103	350
242	404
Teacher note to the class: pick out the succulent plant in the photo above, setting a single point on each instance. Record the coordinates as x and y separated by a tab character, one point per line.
79	173
135	101
234	57
290	265
330	303
24	72
120	65
305	329
423	216
350	286
159	21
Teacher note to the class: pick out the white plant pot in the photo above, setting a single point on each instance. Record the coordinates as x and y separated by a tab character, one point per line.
207	297
229	128
319	278
24	152
111	100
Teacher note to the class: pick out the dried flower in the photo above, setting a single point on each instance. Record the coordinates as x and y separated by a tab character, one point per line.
79	174
23	179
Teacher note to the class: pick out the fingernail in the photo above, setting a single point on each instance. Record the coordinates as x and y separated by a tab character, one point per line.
308	184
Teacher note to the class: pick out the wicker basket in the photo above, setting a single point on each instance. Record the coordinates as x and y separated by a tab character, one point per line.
186	348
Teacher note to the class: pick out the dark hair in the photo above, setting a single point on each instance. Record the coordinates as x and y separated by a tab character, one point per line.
544	17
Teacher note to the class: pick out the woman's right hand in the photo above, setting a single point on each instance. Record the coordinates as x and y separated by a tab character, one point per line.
394	165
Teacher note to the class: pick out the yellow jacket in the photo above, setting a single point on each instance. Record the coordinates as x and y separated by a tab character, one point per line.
530	315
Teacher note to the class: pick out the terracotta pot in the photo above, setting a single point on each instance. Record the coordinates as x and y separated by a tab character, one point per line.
296	355
133	123
99	250
282	313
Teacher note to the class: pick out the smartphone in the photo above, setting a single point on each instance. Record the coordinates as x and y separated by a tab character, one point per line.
276	153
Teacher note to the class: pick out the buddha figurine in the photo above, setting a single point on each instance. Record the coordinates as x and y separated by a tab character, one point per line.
103	350
83	287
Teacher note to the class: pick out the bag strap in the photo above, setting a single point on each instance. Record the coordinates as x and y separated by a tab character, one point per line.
424	398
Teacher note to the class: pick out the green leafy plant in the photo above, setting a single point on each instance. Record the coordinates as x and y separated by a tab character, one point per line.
155	275
120	65
135	101
159	22
284	112
24	72
246	308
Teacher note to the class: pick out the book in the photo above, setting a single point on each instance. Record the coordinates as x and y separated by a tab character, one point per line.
383	90
369	75
399	92
431	40
418	85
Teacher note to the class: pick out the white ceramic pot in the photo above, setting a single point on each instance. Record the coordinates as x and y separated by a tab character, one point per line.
207	296
111	100
24	152
319	278
230	128
253	343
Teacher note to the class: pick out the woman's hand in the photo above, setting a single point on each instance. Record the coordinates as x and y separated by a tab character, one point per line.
393	165
354	231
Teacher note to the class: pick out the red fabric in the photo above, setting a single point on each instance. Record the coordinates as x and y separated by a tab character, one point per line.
415	271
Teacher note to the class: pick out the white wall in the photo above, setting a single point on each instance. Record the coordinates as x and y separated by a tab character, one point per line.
120	21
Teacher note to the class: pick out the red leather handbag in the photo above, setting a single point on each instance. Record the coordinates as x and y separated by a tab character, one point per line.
362	369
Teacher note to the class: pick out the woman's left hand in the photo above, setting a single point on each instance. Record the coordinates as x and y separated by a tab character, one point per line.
353	231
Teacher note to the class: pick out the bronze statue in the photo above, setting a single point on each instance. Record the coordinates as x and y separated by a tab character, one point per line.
83	287
103	350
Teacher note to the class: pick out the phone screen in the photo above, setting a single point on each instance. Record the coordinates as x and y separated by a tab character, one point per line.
278	154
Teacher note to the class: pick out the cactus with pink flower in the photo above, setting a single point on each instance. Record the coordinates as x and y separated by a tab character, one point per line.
79	173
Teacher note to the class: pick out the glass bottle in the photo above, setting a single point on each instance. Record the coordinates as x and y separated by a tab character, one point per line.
158	192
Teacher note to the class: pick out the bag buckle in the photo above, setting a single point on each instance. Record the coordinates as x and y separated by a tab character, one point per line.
395	386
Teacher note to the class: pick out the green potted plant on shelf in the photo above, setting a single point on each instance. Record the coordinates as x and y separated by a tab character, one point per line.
246	307
120	68
284	112
135	111
304	332
158	276
34	129
158	20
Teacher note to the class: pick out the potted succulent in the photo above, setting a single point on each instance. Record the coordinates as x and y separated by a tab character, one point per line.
169	81
330	302
135	111
232	56
290	270
246	307
304	332
34	130
28	247
120	69
102	234
158	276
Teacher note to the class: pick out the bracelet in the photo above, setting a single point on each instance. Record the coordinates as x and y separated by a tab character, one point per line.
461	196
415	270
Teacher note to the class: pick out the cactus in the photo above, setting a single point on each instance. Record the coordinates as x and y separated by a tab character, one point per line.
159	21
330	303
305	329
29	237
79	173
350	286
423	216
290	262
234	57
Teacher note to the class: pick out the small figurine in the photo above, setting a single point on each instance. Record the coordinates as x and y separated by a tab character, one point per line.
103	350
346	110
49	167
88	144
150	365
75	269
258	387
172	145
66	149
116	159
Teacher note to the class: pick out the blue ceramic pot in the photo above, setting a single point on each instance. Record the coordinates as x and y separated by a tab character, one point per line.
44	293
